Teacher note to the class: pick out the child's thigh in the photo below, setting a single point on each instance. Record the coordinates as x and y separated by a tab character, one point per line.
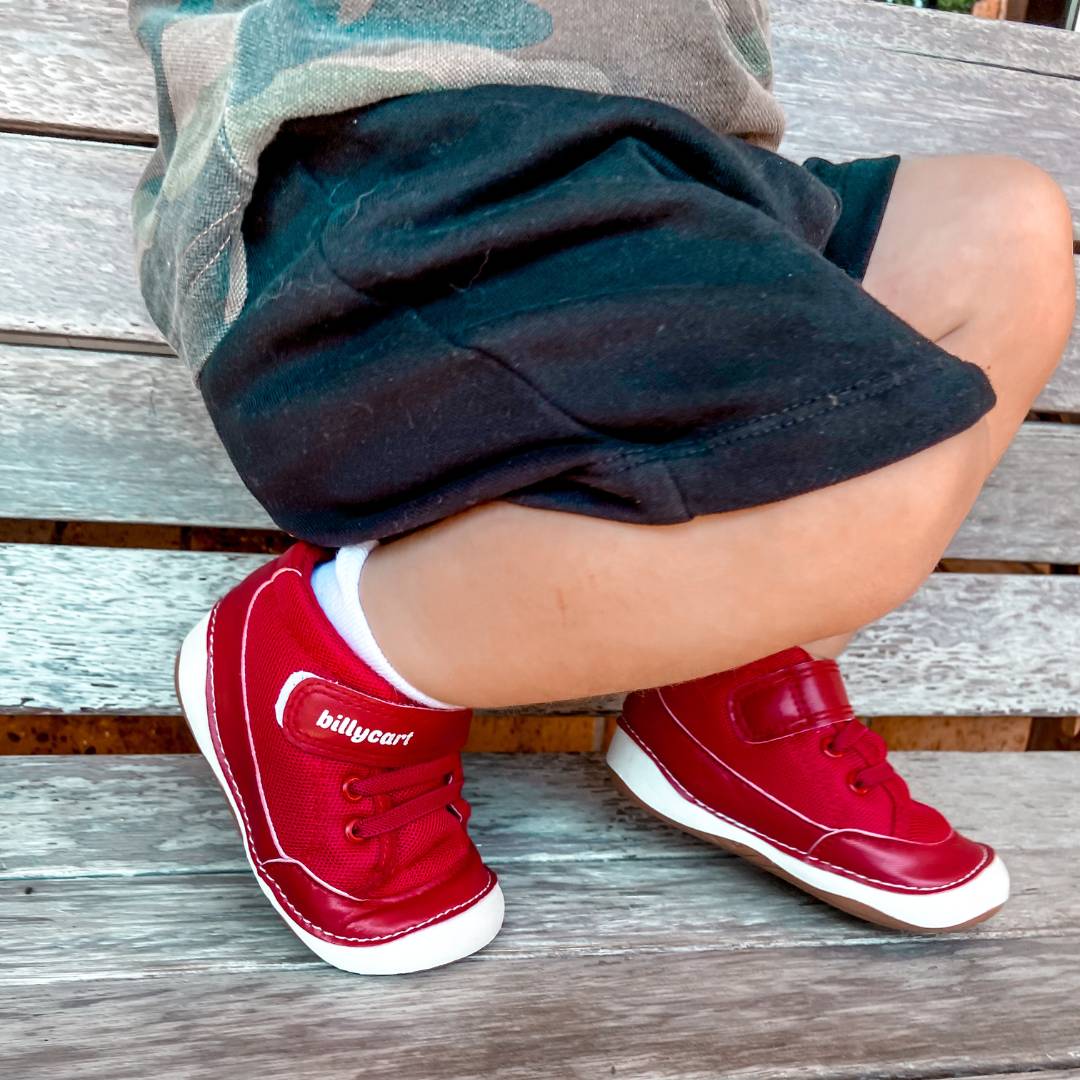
506	604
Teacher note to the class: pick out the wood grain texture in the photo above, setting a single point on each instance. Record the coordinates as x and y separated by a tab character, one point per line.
117	816
176	925
983	733
68	264
967	644
578	859
113	437
844	101
914	1009
146	949
78	66
841	97
75	66
1001	45
125	437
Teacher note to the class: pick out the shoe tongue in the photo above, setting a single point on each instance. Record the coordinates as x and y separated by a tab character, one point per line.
336	721
788	693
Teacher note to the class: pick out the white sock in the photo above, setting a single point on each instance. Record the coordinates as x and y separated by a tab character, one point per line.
336	585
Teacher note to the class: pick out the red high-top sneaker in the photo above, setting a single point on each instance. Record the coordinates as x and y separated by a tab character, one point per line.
348	795
768	761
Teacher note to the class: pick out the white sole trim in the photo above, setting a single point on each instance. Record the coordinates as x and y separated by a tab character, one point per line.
427	947
959	906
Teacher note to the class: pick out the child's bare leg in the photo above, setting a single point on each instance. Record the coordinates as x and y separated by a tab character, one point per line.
506	605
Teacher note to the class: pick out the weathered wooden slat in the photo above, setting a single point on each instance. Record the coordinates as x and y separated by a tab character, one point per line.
1002	45
842	101
657	933
159	926
125	437
916	1009
68	266
74	817
113	437
1029	509
76	66
1063	392
845	101
968	644
152	927
590	880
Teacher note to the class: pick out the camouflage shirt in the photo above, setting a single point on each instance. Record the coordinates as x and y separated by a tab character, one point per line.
230	72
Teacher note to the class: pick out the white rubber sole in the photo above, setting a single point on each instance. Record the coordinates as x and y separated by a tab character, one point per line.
428	947
968	903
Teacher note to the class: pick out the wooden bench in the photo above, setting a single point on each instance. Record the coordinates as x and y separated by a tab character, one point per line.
135	942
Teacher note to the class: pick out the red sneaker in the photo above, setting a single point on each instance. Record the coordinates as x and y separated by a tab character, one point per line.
768	761
348	795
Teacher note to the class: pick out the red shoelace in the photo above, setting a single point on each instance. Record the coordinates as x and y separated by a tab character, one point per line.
445	769
843	740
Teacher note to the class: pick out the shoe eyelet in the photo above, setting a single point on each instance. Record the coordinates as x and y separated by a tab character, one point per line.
348	791
856	785
352	830
829	749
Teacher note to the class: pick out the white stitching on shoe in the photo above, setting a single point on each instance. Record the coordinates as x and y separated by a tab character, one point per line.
798	852
261	866
772	798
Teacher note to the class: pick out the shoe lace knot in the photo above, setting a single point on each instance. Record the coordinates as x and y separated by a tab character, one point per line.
876	771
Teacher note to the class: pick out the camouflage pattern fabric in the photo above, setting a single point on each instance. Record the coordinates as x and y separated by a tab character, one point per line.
230	72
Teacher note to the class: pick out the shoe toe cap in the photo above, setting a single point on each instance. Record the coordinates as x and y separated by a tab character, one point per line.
903	865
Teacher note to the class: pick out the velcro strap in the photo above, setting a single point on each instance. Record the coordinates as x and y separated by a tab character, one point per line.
803	696
337	721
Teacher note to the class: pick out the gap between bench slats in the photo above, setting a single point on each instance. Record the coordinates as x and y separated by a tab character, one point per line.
120	437
96	631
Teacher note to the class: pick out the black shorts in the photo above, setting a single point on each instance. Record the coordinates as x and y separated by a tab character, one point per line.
574	301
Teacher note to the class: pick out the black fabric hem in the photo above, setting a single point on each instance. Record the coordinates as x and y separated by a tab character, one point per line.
863	188
581	302
804	449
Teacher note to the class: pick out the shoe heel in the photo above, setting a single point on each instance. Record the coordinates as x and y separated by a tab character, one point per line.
190	674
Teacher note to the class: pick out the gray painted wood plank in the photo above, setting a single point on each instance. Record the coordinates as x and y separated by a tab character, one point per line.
1063	392
1007	45
841	99
77	65
158	927
125	437
68	266
113	437
915	1009
131	816
585	873
967	644
844	101
639	948
1029	509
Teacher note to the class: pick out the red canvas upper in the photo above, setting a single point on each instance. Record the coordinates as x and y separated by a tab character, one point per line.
775	747
350	794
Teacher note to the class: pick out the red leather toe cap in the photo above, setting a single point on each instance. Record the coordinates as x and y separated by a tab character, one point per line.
901	864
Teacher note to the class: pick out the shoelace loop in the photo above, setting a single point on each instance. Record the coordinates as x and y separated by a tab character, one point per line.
843	741
445	768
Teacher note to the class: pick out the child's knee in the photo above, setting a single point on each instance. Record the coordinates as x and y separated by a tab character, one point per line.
1026	231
